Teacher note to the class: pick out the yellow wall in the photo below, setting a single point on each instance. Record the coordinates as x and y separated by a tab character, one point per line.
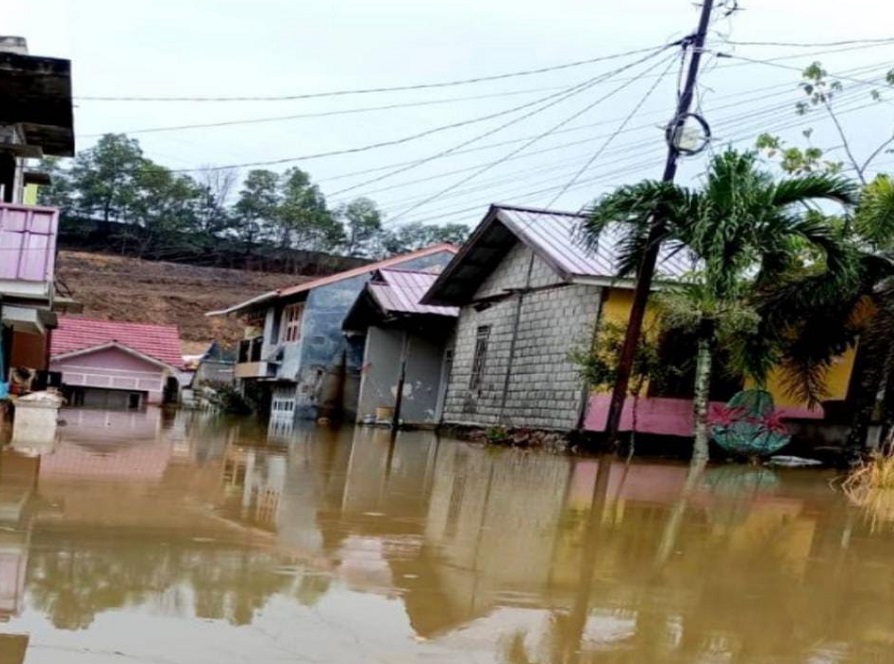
616	308
29	197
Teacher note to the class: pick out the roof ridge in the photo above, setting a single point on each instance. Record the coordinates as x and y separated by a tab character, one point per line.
523	208
166	326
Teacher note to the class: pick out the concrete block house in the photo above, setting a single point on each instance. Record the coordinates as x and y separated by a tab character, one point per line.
529	294
115	365
294	349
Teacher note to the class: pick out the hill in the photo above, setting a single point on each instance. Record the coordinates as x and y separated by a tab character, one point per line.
124	288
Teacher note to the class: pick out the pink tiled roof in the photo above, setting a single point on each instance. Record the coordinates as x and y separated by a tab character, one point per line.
161	342
401	290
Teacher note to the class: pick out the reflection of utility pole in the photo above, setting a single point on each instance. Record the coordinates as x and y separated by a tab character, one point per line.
646	270
577	619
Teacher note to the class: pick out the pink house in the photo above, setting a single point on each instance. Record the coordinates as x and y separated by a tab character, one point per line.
115	365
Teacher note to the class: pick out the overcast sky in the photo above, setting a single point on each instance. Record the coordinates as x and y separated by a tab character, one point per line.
208	48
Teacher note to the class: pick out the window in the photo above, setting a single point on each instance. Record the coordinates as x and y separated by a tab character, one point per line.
480	357
291	323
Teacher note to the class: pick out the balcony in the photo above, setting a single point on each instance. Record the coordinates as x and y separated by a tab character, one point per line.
249	363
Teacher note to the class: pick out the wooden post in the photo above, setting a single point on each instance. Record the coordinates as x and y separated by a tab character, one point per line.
401	377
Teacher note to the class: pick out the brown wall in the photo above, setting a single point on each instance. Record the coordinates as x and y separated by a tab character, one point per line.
29	350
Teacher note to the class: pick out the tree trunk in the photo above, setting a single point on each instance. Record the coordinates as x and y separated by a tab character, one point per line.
700	398
876	347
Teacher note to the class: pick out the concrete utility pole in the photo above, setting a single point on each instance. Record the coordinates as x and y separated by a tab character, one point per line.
646	271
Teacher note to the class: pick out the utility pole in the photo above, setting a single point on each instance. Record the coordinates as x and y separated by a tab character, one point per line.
646	271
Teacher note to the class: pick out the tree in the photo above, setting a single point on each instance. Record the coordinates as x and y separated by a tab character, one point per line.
256	209
303	219
104	178
363	226
746	231
415	235
217	186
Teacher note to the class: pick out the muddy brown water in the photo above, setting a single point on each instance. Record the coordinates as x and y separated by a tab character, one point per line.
192	539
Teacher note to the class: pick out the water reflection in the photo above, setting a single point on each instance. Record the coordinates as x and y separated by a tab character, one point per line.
232	542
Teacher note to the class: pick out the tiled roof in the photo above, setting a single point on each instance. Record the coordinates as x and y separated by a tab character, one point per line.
160	342
402	290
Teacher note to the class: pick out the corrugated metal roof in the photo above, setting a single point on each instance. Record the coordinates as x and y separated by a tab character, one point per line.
554	238
161	342
28	242
402	290
357	271
556	234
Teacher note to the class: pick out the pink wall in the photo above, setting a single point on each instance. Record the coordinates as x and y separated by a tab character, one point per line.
669	417
28	242
112	368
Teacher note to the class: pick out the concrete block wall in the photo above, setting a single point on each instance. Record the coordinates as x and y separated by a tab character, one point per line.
544	389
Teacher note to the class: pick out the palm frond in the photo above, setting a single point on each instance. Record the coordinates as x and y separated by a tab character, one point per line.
874	219
814	187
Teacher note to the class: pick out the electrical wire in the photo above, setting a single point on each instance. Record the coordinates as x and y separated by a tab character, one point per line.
847	42
772	63
363	91
612	136
517	150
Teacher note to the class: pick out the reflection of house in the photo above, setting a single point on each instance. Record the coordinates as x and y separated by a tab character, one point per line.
530	294
254	481
35	121
115	365
294	346
404	344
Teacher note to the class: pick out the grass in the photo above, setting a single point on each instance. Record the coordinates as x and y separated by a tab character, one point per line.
871	486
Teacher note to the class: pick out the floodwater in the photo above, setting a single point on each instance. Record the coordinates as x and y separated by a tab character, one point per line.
194	540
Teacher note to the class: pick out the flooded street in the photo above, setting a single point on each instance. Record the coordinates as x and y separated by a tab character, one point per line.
194	540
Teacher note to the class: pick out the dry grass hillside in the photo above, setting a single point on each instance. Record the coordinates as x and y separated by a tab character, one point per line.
122	288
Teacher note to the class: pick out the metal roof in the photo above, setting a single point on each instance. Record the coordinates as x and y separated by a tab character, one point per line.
554	236
265	298
398	290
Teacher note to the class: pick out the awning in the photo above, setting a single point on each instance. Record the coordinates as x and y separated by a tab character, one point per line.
27	319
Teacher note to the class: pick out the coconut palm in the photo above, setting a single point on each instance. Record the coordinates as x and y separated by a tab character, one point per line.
747	232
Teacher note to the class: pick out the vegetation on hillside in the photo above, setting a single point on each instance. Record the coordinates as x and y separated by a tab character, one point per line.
161	213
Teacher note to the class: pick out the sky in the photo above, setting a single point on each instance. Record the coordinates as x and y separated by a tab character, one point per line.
564	155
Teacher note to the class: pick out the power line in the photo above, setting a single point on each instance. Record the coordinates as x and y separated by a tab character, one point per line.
322	114
612	136
772	63
517	150
848	42
786	88
556	97
362	91
419	162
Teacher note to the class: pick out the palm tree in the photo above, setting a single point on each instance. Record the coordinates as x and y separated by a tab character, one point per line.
746	232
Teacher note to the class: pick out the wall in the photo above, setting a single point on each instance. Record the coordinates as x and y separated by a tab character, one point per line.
381	370
328	369
544	389
29	350
113	369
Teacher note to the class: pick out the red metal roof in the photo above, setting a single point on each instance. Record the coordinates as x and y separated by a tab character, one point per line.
365	269
402	290
160	342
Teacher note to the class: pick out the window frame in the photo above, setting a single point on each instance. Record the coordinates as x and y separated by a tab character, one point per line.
290	323
479	357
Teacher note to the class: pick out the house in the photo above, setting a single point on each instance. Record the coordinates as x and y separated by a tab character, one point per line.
529	295
404	346
294	350
35	121
116	365
214	366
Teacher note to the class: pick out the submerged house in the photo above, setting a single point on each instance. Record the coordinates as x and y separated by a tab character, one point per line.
404	347
529	295
116	365
294	350
35	121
